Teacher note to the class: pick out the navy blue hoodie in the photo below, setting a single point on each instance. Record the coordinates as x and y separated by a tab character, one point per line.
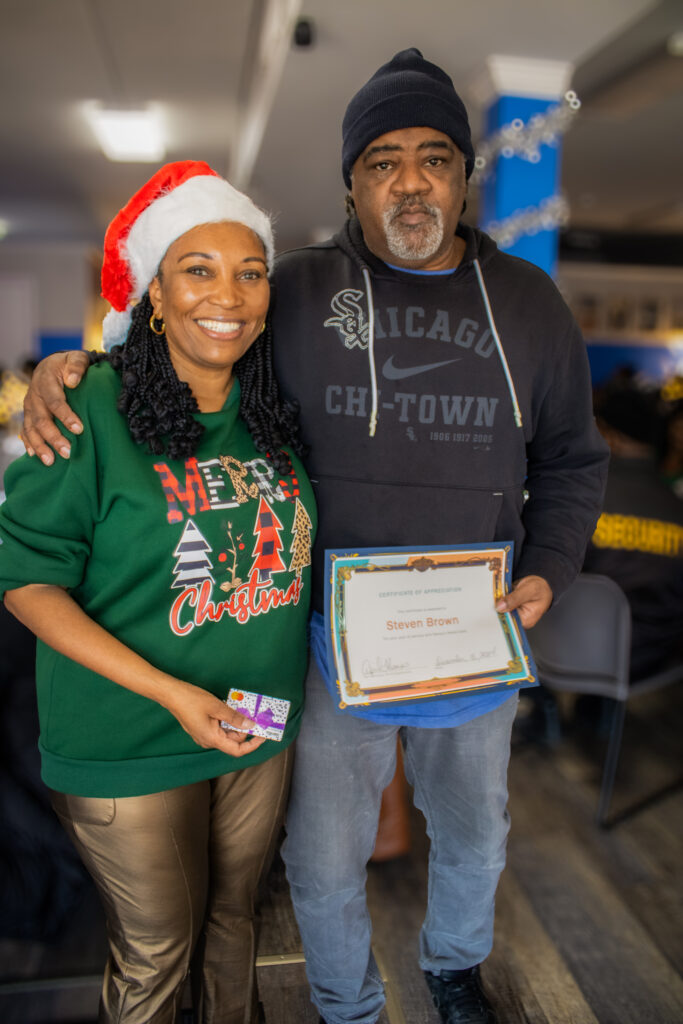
448	463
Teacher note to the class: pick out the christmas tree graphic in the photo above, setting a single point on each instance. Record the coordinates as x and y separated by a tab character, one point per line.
268	543
233	580
301	540
193	564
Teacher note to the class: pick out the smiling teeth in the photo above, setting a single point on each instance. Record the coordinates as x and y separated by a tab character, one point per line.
221	326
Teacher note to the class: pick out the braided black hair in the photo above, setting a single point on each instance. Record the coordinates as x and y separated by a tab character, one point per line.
160	409
272	421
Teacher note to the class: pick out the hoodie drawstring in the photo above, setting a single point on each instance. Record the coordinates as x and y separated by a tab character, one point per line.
371	350
374	414
499	344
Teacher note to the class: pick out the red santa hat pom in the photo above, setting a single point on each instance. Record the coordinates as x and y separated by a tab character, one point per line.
179	197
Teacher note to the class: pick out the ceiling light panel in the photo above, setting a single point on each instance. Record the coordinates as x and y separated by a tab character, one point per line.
131	136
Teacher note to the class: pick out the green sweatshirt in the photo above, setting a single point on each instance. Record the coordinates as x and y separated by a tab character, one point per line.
202	567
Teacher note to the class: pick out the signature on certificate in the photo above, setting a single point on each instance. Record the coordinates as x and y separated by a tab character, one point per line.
383	667
459	659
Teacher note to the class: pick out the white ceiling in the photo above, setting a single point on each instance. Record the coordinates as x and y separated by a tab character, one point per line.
201	61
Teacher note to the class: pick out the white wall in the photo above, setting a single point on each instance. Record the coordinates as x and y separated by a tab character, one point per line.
44	289
18	323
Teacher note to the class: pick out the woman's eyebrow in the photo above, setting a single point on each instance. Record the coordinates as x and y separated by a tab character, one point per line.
203	255
208	256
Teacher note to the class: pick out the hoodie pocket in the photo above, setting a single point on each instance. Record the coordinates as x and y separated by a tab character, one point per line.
365	514
493	510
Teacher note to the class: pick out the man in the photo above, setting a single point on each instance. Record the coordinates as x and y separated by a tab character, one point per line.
423	431
639	537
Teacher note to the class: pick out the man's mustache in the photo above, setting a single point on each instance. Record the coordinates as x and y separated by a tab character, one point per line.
411	206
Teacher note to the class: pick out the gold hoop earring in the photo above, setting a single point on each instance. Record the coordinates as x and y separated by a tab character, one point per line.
263	327
153	328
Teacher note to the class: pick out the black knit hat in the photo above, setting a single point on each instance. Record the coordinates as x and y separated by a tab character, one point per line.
407	92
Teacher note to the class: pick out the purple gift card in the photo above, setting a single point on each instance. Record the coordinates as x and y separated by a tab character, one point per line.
268	713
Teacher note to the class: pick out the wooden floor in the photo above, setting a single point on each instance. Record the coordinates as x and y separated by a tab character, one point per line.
588	921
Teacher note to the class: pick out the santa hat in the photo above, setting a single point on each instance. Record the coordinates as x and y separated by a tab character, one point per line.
179	197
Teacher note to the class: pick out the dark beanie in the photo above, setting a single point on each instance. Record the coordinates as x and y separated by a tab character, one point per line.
407	92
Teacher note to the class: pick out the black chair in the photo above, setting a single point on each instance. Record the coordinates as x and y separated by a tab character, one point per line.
582	645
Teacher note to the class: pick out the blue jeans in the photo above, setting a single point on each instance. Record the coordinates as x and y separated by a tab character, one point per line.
342	765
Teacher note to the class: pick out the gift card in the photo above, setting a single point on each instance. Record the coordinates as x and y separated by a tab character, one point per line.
268	713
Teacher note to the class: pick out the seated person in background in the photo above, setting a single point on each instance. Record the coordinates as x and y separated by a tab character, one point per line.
671	466
638	541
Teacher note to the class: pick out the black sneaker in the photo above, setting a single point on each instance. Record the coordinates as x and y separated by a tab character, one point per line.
459	998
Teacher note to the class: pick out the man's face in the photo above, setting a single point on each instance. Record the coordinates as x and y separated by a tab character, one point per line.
408	187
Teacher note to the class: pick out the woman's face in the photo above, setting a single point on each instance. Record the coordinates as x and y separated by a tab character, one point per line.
212	293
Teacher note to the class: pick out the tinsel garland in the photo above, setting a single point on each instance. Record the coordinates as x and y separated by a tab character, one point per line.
524	140
551	213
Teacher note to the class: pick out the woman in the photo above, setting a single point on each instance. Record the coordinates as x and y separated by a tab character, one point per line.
164	566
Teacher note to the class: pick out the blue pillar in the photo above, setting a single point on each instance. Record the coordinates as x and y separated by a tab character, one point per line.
520	89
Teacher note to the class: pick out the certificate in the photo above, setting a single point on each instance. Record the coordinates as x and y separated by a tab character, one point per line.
405	624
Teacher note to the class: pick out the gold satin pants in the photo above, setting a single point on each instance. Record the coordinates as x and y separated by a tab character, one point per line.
178	873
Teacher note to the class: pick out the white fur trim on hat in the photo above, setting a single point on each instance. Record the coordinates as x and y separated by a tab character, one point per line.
200	200
115	327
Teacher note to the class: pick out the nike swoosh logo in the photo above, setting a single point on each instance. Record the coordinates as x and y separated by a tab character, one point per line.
392	372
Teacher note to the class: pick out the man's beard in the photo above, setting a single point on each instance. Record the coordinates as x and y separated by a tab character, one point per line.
417	242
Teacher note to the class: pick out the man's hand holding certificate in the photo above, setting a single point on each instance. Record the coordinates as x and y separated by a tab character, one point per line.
407	624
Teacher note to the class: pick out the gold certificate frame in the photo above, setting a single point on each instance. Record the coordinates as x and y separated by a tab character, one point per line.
405	624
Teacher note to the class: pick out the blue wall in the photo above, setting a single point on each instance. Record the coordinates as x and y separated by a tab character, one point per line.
58	343
516	184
